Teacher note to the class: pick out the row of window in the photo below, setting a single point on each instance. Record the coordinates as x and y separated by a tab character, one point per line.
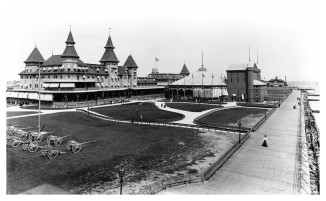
238	80
68	76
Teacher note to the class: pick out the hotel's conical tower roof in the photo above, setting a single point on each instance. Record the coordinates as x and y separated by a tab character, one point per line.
70	50
130	62
184	71
34	57
109	55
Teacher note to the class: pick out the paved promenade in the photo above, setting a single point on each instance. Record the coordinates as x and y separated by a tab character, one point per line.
254	169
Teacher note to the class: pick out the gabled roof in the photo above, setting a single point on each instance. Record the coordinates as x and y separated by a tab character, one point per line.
56	60
184	70
109	43
130	62
70	39
35	57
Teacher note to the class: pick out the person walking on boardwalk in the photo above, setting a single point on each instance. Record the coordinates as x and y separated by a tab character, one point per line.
265	142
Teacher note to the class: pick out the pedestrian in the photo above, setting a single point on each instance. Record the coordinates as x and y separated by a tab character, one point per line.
161	105
265	141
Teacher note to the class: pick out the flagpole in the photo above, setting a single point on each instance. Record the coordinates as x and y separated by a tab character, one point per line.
184	87
212	85
39	99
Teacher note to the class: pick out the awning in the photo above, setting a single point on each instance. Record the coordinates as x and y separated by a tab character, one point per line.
67	85
54	85
47	97
46	85
25	95
33	96
13	94
20	95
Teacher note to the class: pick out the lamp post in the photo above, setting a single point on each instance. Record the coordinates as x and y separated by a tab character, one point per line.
239	124
121	174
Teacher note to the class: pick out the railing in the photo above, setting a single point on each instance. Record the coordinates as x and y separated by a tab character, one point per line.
220	162
303	173
190	178
170	182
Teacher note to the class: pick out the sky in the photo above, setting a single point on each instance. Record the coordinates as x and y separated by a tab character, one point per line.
286	36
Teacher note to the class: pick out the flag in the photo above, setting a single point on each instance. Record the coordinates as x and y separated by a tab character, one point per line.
192	75
156	59
212	76
203	75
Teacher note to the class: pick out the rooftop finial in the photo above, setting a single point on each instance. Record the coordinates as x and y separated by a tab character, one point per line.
70	27
257	56
202	58
35	45
249	53
109	31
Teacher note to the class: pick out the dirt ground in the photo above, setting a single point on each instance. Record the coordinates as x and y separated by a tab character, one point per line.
194	158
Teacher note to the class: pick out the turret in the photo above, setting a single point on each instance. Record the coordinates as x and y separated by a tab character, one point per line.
131	66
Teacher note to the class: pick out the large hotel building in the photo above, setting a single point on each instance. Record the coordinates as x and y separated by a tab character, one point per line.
66	78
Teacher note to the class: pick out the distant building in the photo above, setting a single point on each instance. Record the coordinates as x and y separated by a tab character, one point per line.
146	81
244	82
164	79
277	82
200	84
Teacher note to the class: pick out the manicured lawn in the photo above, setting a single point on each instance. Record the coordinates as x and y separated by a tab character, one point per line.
191	107
148	111
230	117
12	114
140	148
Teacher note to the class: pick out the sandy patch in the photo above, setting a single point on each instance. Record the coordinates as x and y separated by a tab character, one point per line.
198	160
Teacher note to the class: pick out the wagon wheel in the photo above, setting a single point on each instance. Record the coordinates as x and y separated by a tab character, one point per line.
77	148
49	139
59	141
46	149
50	156
68	146
55	152
33	147
45	152
25	147
15	143
24	135
39	138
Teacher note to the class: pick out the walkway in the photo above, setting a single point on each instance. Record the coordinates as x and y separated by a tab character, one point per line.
254	169
45	111
189	116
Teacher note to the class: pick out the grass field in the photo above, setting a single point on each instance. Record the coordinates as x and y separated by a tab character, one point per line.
230	117
142	149
191	107
148	111
12	114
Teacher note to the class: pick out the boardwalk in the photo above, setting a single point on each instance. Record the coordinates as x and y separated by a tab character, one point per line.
254	169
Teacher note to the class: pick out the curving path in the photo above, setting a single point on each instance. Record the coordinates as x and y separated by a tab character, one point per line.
189	116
